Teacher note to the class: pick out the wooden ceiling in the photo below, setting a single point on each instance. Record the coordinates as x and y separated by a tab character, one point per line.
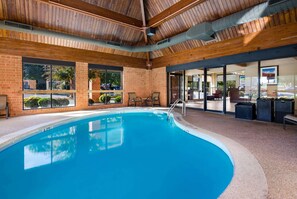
121	21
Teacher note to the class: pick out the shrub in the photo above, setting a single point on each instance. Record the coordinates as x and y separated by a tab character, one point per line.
63	101
44	102
55	102
31	102
118	99
91	101
60	102
104	98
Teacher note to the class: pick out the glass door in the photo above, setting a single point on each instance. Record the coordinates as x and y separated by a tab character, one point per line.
241	83
176	86
194	88
215	84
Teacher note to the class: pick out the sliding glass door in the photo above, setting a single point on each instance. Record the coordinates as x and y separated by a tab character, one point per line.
176	86
194	95
214	87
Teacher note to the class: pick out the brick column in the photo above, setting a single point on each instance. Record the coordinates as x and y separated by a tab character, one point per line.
11	82
81	85
159	83
96	86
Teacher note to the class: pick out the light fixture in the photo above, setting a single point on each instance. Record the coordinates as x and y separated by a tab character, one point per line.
150	31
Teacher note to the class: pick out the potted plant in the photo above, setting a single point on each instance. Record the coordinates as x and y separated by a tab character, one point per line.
32	102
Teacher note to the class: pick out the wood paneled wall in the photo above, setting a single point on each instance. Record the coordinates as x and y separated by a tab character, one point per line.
46	51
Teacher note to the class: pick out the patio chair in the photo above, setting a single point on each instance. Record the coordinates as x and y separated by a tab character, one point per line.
154	99
290	119
133	99
4	105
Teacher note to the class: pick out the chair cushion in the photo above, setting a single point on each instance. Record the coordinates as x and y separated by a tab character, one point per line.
291	117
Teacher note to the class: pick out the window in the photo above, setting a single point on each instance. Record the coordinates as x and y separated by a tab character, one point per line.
280	78
105	84
48	83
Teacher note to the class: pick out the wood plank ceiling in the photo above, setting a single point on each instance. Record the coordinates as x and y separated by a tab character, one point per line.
43	14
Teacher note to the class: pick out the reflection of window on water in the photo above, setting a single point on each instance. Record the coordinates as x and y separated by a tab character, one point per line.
106	140
106	133
55	147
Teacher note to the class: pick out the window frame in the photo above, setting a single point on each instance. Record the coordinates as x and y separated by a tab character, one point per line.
51	63
106	69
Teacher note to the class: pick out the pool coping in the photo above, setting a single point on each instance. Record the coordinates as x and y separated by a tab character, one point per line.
248	181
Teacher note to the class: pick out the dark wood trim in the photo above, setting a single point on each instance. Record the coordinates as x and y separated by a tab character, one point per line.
224	88
204	89
259	79
184	75
105	67
47	61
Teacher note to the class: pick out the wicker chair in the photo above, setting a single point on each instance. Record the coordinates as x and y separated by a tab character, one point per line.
133	99
154	99
4	105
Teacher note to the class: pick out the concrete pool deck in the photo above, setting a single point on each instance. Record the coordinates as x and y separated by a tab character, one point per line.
273	147
267	145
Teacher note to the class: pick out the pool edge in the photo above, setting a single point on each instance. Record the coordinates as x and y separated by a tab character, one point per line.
248	181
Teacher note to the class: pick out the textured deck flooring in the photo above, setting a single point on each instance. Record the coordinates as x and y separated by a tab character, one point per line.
275	148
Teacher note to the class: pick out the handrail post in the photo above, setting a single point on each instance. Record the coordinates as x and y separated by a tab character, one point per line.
173	106
184	109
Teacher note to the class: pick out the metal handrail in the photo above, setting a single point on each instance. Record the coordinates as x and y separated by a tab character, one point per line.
173	106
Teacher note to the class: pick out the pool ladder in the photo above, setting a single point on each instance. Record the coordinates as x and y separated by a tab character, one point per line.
173	106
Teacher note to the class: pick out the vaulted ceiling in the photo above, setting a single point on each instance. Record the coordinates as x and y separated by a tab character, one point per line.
121	21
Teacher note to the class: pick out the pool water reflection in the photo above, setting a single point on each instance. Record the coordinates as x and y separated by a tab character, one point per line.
132	155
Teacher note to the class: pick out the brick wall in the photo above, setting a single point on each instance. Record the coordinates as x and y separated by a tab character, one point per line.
159	83
11	82
81	76
141	81
136	80
96	86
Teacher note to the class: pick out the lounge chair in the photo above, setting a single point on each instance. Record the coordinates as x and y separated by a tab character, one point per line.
154	99
4	105
290	119
134	99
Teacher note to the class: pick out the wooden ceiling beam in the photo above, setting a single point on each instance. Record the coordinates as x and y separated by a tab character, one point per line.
173	11
98	12
148	59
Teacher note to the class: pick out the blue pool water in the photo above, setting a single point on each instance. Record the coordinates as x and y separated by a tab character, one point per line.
119	156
